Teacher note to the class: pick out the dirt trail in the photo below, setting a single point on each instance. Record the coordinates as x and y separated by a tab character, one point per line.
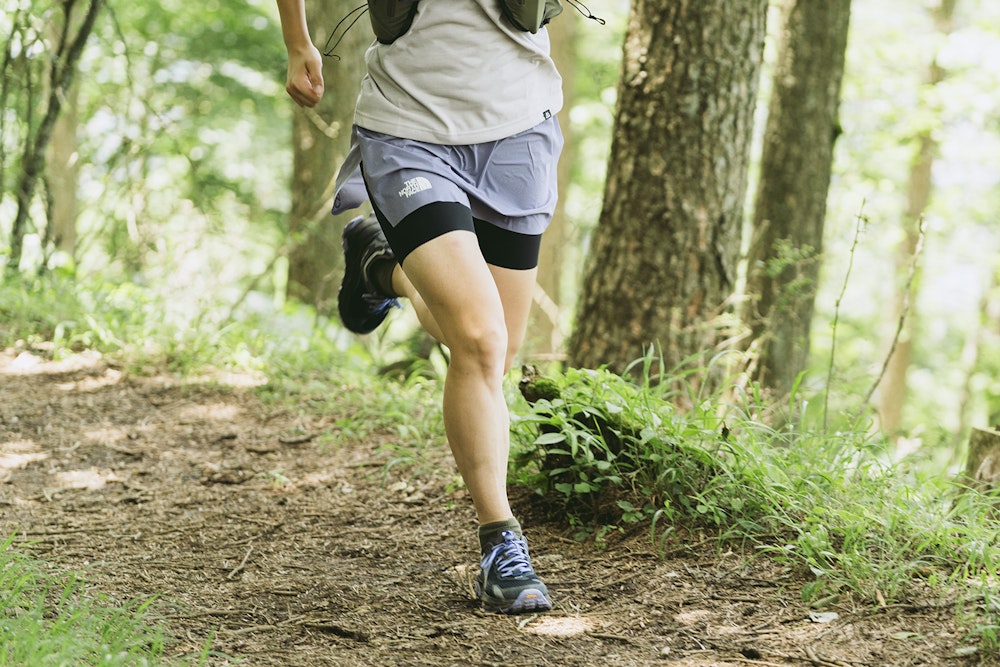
295	555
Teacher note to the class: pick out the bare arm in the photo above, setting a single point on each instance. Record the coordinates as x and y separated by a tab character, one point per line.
305	64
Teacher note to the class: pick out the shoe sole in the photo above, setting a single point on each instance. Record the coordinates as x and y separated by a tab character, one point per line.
528	600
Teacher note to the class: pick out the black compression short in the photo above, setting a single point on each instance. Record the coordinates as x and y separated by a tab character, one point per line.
500	247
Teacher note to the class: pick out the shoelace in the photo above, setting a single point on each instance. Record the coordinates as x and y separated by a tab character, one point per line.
511	557
379	304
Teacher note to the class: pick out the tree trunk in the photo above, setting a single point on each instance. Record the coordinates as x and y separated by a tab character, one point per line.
545	331
321	138
68	49
892	387
664	257
982	467
790	207
62	175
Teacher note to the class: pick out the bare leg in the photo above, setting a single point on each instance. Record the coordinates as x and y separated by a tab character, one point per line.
516	288
480	313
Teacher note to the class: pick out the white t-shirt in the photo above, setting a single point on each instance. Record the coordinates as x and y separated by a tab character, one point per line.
462	74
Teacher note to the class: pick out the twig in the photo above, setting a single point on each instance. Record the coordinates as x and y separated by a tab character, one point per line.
765	663
817	659
207	612
296	439
609	637
907	293
243	562
251	629
836	311
334	629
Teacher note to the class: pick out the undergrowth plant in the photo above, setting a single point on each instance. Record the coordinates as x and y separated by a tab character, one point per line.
607	452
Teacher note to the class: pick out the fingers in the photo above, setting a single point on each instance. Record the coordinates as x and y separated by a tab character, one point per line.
305	80
305	90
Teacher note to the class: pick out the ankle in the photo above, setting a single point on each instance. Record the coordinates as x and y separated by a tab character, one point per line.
380	276
491	534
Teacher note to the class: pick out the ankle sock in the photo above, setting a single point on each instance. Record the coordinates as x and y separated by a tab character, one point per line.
381	276
489	534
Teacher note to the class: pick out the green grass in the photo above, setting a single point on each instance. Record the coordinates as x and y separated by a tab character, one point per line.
51	618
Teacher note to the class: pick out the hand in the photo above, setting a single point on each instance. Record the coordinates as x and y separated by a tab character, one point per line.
305	76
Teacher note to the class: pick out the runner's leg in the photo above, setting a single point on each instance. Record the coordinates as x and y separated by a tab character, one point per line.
464	305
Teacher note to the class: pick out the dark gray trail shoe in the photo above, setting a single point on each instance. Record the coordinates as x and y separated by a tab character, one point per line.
507	584
362	307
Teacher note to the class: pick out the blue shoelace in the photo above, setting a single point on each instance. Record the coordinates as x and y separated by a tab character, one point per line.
511	557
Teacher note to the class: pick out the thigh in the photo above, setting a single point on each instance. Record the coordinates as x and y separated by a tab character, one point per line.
441	257
457	288
473	277
513	261
516	288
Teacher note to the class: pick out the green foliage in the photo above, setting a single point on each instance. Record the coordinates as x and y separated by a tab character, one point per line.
608	453
176	105
53	615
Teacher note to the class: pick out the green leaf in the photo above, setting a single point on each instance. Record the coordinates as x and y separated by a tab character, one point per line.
550	438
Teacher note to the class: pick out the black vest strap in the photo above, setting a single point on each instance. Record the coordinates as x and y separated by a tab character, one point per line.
391	18
530	15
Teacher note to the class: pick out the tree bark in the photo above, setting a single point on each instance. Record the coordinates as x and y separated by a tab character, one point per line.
321	138
62	176
68	50
663	262
982	467
790	207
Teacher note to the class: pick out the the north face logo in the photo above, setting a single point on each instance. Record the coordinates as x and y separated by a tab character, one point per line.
415	185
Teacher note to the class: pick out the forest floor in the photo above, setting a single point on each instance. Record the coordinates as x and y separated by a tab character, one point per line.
285	552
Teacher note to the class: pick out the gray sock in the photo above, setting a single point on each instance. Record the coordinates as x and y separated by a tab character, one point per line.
380	274
490	534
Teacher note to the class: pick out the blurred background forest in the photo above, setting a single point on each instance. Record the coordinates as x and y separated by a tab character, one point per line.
179	184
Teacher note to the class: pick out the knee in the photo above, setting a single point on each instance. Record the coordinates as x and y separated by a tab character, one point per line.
483	346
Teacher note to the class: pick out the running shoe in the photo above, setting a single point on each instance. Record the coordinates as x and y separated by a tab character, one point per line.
362	307
506	583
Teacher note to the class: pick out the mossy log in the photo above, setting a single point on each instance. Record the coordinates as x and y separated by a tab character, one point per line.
536	387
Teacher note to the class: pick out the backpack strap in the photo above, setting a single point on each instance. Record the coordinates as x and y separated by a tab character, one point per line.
530	15
391	18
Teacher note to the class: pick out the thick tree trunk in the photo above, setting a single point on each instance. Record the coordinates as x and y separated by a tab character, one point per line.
785	250
892	387
663	263
321	137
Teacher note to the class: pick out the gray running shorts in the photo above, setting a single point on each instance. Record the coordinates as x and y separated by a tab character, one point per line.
510	183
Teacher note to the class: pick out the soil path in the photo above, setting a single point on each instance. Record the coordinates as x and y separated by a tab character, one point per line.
292	554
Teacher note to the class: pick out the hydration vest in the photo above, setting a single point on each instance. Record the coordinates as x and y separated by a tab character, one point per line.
392	18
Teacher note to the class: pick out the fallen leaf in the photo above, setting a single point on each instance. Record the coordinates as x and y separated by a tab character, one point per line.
823	616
